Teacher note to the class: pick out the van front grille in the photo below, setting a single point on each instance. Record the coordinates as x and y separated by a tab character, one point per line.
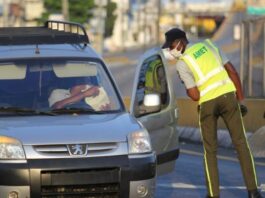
92	183
62	150
82	191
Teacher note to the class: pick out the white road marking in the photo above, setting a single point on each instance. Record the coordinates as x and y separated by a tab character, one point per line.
203	187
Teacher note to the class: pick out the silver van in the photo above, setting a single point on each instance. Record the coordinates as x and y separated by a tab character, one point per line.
64	129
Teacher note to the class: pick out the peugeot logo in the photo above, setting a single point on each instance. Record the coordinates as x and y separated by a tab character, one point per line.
77	149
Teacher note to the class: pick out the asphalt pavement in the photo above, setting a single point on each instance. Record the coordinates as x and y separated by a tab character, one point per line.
187	180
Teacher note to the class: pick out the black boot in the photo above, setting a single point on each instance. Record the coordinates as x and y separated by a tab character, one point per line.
254	194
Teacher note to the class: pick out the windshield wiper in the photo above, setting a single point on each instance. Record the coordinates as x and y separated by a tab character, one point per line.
20	110
76	110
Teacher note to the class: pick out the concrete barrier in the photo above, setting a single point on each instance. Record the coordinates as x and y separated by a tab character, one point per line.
188	115
254	123
253	120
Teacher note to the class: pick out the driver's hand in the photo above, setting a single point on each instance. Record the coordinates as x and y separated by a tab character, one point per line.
58	105
92	92
105	107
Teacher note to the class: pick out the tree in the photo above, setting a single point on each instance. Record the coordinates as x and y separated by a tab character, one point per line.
110	18
78	9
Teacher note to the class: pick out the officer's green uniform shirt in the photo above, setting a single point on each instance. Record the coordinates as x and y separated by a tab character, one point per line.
186	75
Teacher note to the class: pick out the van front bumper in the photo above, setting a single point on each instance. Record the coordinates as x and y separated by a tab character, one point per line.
116	176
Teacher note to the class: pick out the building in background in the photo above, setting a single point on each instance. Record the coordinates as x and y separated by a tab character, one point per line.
197	18
257	3
139	23
20	12
136	24
143	22
121	37
33	10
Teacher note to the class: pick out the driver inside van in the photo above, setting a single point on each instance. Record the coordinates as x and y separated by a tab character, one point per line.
94	96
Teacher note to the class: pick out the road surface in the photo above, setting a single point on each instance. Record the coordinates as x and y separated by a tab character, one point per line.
187	180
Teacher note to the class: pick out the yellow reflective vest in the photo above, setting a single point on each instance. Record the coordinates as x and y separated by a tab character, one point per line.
210	75
152	83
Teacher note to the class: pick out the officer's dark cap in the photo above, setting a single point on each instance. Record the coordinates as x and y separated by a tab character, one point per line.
172	35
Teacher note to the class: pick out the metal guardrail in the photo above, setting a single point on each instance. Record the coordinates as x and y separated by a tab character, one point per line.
252	56
253	120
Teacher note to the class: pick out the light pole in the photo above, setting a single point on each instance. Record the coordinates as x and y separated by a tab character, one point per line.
5	13
22	14
145	25
122	27
100	13
158	22
65	9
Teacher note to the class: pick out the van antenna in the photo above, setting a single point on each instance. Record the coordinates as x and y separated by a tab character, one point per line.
37	50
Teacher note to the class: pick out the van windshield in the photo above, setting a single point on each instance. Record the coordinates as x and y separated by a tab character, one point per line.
47	85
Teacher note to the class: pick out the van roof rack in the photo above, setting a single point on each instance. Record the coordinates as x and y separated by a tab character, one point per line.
53	32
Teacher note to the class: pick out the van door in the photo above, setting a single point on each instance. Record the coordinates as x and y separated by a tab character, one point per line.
153	103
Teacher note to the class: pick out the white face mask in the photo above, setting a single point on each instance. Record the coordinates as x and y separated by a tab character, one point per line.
167	54
176	53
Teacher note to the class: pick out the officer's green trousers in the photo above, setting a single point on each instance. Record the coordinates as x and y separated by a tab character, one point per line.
225	106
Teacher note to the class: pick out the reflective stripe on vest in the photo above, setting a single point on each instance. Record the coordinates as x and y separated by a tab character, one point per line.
210	75
195	66
206	65
215	85
203	78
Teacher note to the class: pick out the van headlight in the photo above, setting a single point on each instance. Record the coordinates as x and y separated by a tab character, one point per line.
139	142
11	149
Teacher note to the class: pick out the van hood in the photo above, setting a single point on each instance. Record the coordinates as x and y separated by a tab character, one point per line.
69	129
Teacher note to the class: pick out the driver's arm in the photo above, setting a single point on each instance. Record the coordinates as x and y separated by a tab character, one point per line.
76	95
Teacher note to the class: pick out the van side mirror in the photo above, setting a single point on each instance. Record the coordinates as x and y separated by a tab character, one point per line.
152	103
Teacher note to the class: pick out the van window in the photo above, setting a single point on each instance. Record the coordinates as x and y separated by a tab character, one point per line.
55	84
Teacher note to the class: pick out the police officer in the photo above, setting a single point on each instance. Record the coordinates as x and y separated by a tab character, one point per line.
212	80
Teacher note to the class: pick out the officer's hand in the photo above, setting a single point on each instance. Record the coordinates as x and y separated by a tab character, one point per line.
243	109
